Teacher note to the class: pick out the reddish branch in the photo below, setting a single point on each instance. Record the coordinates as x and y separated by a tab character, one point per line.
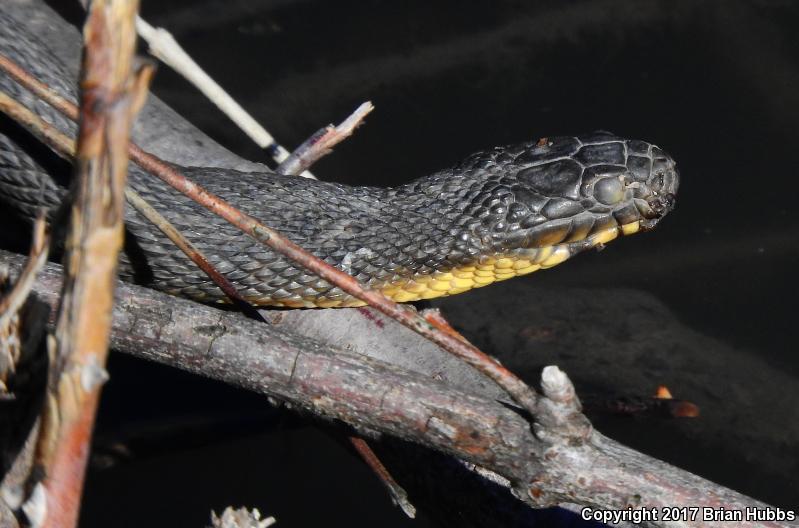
92	248
515	387
65	147
191	251
397	493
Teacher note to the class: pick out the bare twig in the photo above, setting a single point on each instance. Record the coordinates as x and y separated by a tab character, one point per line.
191	251
50	135
38	88
37	257
321	143
92	247
516	388
164	46
398	495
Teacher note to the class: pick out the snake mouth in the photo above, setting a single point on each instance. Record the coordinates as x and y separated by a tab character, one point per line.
656	205
657	197
662	204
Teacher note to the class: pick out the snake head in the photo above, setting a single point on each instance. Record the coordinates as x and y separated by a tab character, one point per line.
569	193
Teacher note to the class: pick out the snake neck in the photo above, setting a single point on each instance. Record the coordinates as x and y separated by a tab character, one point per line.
439	210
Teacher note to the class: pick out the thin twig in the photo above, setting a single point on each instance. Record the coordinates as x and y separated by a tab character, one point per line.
37	257
164	46
47	133
398	494
38	88
321	143
11	342
191	251
515	387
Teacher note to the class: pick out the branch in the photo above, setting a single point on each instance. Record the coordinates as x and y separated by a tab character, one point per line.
321	143
164	46
11	303
395	491
109	101
267	236
564	461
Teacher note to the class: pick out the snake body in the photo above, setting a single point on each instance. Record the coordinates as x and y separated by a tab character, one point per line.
499	213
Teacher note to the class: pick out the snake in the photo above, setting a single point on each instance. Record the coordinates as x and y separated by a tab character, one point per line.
500	213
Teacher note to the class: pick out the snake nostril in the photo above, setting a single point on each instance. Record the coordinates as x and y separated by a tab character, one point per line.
658	182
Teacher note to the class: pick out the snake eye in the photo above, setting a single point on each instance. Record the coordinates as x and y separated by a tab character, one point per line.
609	190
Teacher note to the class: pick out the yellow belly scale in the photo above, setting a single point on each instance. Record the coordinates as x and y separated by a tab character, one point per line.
487	270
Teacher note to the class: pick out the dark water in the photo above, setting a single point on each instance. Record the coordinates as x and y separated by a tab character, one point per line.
714	83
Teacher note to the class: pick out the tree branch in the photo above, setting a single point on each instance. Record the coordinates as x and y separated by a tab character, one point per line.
109	100
562	461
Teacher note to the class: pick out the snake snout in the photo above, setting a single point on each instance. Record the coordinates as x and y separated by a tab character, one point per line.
658	195
663	185
662	204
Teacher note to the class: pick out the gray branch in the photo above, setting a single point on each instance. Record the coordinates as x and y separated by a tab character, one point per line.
560	460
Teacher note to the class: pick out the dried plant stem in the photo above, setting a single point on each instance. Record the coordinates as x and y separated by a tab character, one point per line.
38	88
47	133
164	46
321	143
12	348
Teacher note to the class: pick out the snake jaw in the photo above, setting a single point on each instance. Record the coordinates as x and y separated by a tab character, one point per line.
657	197
662	203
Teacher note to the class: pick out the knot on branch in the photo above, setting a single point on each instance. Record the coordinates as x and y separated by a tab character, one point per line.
559	418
